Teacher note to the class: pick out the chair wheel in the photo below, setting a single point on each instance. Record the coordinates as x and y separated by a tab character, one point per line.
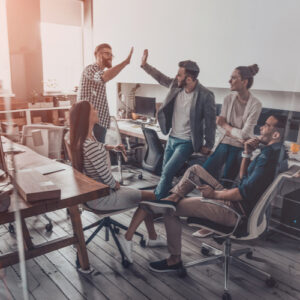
142	243
271	282
125	263
49	227
226	296
11	228
205	251
249	255
140	176
182	272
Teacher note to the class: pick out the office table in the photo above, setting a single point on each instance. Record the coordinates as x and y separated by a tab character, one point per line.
76	188
134	129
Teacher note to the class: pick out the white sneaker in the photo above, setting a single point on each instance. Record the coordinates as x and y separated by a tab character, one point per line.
126	247
159	242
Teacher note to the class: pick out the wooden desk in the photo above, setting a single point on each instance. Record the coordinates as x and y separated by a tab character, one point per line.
76	188
135	130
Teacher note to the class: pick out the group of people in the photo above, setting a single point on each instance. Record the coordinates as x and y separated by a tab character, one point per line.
188	115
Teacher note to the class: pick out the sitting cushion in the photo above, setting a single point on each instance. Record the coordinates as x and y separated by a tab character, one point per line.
210	224
223	229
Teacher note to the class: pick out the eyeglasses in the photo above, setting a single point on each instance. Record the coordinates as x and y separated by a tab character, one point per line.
108	54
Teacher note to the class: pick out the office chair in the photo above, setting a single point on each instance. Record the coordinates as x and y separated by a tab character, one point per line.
113	137
153	158
244	229
110	225
50	146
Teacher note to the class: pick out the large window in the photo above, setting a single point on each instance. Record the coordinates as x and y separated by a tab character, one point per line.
62	56
5	81
62	44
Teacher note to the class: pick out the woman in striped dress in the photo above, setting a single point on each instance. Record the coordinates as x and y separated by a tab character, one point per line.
90	157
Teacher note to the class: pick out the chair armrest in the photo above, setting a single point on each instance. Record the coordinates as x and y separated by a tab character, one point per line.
239	217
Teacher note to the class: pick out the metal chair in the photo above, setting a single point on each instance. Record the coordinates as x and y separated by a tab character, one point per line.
113	137
244	229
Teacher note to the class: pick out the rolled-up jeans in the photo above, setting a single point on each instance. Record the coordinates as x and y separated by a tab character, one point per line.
176	153
194	207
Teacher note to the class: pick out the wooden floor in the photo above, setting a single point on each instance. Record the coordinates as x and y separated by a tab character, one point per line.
54	276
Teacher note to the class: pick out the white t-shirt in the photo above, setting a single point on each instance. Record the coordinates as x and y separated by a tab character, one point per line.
181	128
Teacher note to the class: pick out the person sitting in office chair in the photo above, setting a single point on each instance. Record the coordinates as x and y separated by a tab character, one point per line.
89	156
239	115
255	178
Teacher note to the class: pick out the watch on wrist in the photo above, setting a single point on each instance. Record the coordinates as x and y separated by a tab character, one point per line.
246	155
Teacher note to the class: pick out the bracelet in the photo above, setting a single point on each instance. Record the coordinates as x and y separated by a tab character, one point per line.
246	155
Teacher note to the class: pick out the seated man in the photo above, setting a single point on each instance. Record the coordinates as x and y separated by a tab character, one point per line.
255	178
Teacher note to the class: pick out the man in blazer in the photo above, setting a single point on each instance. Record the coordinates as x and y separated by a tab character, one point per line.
188	113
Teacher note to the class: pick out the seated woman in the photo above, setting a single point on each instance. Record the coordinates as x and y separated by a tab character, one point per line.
90	157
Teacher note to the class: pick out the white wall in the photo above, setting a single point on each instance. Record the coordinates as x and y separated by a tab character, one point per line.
220	35
269	99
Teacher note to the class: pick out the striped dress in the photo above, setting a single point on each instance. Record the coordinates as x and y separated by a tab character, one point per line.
95	163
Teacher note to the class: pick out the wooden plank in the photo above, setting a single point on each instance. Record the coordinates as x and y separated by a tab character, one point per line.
13	258
101	278
80	245
33	186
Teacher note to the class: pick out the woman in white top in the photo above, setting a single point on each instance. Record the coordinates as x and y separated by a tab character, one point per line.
89	156
239	115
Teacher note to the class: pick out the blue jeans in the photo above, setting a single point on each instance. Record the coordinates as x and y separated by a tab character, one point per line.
176	153
228	155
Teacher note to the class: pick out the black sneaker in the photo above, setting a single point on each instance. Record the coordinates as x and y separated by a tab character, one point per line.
162	266
159	206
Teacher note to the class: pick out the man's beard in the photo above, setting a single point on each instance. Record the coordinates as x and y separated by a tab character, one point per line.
182	83
107	63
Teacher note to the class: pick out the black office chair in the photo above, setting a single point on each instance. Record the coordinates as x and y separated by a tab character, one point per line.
153	158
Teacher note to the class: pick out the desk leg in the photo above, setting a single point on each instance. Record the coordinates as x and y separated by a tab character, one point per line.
27	239
78	232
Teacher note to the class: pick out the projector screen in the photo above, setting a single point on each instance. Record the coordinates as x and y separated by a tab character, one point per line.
219	35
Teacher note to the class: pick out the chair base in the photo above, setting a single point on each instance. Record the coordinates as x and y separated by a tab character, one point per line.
226	257
113	227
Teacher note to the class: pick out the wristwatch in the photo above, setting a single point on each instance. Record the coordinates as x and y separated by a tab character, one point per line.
246	155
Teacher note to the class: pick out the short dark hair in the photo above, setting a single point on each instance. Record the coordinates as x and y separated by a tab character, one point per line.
100	47
248	73
280	125
191	68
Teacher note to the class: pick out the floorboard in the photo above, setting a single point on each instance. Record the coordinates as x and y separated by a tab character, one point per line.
54	275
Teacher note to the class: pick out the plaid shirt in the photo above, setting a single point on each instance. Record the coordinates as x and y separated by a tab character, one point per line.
92	88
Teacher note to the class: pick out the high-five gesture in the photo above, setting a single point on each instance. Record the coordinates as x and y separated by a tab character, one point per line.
144	57
127	60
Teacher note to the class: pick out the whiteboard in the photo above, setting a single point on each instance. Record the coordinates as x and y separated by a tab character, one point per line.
219	35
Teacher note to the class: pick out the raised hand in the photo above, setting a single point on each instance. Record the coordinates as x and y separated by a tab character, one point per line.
144	57
127	60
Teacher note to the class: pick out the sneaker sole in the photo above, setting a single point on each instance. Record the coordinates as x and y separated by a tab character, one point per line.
161	271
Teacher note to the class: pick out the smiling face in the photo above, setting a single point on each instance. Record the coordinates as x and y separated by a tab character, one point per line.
236	82
104	57
181	77
268	131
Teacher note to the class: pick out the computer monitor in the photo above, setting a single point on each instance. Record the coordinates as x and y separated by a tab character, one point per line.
145	106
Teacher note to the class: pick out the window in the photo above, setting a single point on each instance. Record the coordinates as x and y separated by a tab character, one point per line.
62	56
5	81
62	44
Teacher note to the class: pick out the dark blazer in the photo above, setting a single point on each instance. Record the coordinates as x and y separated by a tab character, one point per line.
202	113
